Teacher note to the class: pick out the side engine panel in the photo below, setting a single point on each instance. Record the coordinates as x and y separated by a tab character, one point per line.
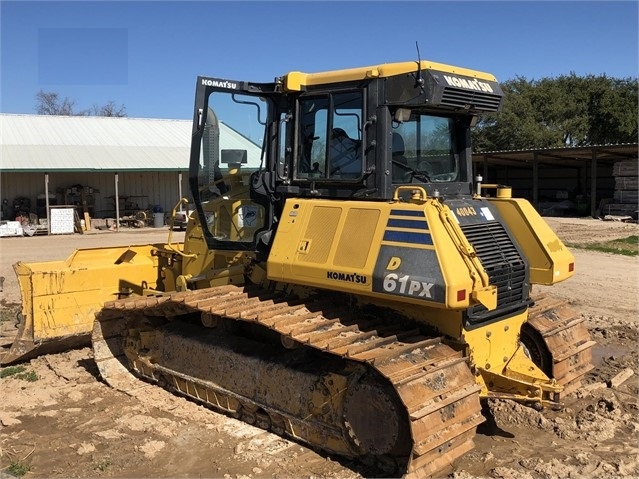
384	250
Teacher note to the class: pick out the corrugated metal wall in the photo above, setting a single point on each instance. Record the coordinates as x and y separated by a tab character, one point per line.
139	188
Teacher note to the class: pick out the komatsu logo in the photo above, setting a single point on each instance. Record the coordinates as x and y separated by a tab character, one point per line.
348	277
468	84
219	83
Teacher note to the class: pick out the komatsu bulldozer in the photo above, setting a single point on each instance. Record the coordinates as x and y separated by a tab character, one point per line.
344	280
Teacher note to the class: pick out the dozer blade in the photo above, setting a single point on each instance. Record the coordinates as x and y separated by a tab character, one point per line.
558	341
60	298
314	370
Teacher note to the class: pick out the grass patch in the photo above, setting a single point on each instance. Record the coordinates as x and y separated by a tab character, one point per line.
624	246
102	466
9	312
18	468
11	370
19	372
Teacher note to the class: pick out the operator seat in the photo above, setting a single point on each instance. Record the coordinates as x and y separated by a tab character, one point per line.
345	155
398	158
399	148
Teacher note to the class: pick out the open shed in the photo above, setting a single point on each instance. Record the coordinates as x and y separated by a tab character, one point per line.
583	180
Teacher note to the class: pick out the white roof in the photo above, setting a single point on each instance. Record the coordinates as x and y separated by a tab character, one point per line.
86	143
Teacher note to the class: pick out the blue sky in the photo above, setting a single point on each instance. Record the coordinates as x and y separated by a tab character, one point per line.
146	55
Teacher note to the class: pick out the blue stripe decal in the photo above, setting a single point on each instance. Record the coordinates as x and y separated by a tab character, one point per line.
408	237
407	213
413	224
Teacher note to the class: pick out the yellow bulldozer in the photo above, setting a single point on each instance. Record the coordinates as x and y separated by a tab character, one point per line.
344	280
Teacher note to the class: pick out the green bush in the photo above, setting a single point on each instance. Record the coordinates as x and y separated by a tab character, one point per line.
19	372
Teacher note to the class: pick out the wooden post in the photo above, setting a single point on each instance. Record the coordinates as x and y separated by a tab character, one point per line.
46	194
85	209
593	184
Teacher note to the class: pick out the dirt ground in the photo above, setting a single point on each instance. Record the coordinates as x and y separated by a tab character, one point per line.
68	423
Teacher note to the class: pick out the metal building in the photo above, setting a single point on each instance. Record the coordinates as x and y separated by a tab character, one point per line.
87	161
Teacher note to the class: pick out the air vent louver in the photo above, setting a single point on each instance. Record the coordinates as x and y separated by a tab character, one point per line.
461	98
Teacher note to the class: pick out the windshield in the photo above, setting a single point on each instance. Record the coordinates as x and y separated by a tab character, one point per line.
423	150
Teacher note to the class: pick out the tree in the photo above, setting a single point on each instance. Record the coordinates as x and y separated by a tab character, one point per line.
109	109
612	107
563	111
49	103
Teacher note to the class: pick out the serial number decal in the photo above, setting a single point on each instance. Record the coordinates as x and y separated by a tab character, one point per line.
348	277
465	211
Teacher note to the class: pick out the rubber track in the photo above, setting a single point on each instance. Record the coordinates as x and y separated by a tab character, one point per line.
565	334
443	414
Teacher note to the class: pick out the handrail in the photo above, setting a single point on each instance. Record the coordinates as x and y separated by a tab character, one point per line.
416	191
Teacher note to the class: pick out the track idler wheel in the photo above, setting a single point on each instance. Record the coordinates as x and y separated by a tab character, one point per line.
536	349
375	421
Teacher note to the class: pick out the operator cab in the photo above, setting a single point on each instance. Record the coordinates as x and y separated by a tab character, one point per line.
355	134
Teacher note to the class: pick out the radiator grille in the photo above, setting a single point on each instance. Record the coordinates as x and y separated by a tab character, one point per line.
504	265
460	98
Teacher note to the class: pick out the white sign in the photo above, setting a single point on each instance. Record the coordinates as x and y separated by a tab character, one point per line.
61	219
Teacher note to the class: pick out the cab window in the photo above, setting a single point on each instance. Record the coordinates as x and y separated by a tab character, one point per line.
423	150
330	137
